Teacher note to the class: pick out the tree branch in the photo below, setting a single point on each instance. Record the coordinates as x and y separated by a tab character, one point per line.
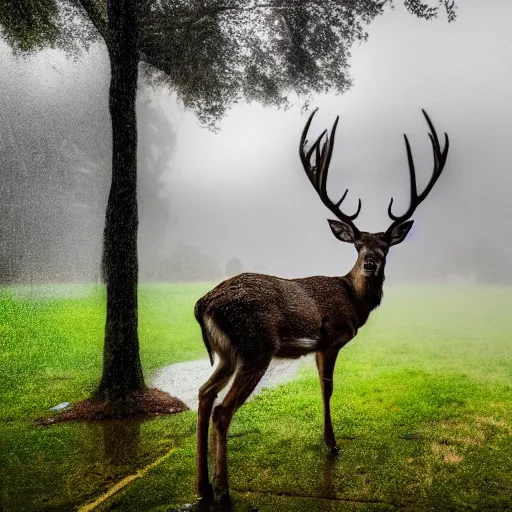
188	20
221	8
95	16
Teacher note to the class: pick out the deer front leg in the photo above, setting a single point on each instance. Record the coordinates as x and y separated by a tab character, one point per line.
325	362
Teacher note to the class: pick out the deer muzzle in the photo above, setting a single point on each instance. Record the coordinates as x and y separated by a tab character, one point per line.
370	265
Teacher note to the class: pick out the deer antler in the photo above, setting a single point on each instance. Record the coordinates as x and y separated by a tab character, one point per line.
317	174
439	162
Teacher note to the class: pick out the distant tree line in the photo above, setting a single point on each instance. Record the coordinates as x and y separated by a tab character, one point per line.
186	263
55	168
189	263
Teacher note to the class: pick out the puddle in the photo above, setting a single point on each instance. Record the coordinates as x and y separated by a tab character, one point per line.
121	441
183	380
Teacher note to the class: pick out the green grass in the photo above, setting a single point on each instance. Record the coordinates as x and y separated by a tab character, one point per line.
422	410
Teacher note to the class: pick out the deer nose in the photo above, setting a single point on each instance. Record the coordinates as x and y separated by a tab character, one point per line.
370	264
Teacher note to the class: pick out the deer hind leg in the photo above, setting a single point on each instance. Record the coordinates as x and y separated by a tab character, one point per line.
248	375
325	362
207	394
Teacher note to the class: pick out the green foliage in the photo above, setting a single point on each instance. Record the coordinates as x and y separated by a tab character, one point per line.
29	24
215	53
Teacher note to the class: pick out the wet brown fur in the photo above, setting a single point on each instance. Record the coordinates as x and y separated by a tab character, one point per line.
251	318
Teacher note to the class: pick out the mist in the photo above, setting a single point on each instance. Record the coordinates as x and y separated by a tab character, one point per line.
242	192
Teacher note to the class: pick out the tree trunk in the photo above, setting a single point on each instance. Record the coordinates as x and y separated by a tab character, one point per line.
122	370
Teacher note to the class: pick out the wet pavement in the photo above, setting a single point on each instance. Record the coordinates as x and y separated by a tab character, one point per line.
183	380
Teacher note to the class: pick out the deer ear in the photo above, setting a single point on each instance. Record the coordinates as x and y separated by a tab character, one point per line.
342	231
399	233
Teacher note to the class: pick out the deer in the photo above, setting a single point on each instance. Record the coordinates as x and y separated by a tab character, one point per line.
249	319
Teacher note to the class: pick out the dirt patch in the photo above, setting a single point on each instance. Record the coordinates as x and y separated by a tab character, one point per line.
500	405
453	458
446	453
487	420
466	434
477	439
184	379
141	404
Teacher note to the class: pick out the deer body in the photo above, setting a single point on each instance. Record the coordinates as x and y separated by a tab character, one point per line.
251	318
306	314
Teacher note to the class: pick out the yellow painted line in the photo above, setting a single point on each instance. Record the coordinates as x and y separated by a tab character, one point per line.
123	483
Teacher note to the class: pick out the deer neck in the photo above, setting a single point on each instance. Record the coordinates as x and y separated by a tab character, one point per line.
367	289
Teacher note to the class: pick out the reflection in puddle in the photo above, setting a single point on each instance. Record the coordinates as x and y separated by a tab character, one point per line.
121	440
329	466
223	504
3	506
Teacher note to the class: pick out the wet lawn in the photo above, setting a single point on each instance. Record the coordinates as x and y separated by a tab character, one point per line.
51	352
422	409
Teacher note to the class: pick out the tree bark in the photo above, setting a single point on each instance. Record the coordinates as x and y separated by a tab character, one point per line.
122	370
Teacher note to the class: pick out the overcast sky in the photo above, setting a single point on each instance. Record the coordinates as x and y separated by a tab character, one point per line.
242	191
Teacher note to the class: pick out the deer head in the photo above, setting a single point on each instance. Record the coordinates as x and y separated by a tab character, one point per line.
372	248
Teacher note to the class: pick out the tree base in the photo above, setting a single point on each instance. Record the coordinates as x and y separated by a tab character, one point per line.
138	404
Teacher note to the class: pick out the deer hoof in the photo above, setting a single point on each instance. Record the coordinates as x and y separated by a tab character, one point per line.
205	492
224	499
333	450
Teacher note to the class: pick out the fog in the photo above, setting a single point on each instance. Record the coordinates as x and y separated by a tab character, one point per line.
242	192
